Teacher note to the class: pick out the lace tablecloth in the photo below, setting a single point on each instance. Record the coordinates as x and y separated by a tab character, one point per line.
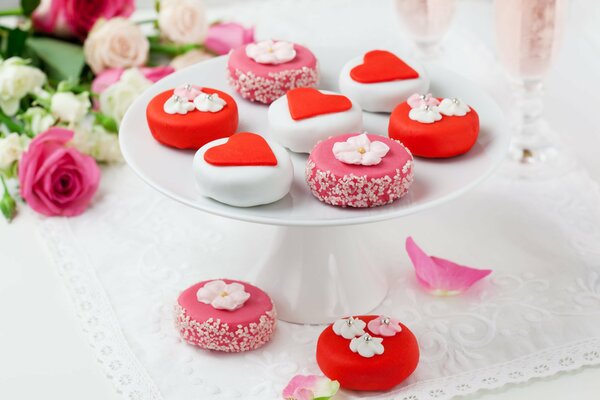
127	258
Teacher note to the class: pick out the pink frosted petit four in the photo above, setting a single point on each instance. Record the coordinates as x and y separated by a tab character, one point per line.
265	71
359	170
225	315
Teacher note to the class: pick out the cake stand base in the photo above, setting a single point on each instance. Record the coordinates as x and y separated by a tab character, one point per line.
319	274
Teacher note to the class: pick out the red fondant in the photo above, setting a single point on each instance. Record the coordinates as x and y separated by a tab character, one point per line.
448	137
382	66
380	372
243	148
194	129
308	102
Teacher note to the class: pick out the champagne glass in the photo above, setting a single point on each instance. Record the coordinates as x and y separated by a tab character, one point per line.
426	22
528	34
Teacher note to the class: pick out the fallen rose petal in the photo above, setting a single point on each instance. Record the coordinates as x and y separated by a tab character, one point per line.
308	387
440	276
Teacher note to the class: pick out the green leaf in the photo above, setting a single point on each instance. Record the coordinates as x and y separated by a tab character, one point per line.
63	60
15	43
8	206
107	122
11	124
29	6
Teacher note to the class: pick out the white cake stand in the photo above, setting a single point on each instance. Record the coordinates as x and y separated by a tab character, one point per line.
322	266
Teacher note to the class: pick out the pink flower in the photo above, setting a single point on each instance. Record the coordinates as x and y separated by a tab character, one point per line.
56	179
226	36
223	296
309	387
417	100
187	91
384	326
439	276
109	76
69	18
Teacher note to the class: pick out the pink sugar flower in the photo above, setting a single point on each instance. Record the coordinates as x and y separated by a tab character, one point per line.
189	92
56	179
417	100
384	326
222	38
309	387
439	276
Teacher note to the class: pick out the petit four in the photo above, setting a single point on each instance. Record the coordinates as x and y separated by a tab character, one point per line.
243	170
266	70
305	116
379	80
434	128
359	170
225	315
188	117
367	352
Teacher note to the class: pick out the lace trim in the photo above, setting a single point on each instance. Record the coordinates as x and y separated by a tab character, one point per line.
97	317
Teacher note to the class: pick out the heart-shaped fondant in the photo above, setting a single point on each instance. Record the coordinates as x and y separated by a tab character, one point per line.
382	66
241	149
309	102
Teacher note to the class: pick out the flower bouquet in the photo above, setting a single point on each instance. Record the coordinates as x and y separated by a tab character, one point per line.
69	70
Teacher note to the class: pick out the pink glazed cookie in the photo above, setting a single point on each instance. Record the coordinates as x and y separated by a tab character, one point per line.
266	70
359	170
225	315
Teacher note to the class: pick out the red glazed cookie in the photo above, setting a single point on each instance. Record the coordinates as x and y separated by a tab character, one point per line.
380	361
195	128
448	136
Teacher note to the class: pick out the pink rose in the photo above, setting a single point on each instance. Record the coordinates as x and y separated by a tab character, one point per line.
226	36
56	179
69	18
109	76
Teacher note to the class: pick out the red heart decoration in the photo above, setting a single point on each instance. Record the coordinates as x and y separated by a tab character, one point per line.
308	102
242	148
382	66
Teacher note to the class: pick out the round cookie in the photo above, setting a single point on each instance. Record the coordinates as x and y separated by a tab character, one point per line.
305	116
366	353
184	126
446	136
281	66
225	315
379	80
243	170
359	181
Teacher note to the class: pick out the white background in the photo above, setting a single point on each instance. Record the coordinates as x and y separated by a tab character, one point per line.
43	353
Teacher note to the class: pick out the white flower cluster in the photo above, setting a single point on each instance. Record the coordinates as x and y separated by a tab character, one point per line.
17	80
117	98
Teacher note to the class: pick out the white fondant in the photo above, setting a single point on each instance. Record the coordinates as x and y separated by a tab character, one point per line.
209	102
367	346
244	186
425	114
453	107
271	52
382	96
223	296
359	150
349	328
302	135
177	105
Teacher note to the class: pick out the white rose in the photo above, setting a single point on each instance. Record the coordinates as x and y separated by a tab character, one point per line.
11	148
190	58
17	80
116	43
38	120
117	98
95	141
69	107
183	21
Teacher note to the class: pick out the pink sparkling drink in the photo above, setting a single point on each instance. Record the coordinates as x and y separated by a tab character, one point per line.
427	21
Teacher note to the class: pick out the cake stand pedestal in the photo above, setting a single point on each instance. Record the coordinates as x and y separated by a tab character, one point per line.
325	263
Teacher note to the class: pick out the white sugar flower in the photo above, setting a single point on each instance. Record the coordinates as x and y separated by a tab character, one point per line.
178	105
223	296
11	148
17	79
454	107
425	114
359	150
271	52
349	327
209	102
70	107
367	346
